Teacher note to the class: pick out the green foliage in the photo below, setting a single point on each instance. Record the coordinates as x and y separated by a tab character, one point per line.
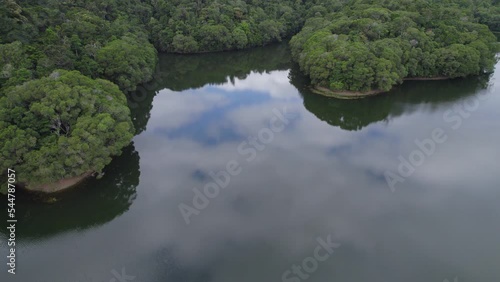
61	35
368	45
127	61
215	38
217	25
184	44
14	64
62	126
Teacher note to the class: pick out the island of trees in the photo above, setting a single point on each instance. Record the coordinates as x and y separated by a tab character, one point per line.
67	66
368	47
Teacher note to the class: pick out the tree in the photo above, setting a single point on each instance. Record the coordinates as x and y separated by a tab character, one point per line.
240	38
214	38
62	126
184	44
127	61
458	60
14	64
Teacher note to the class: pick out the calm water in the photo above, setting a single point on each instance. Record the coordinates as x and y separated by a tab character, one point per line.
319	175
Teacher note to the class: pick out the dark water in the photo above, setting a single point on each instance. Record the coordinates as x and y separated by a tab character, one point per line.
318	173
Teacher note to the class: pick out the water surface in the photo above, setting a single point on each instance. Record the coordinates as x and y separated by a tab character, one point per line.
322	174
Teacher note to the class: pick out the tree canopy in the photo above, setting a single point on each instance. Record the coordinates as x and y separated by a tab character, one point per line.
127	62
186	26
101	39
62	126
345	45
366	45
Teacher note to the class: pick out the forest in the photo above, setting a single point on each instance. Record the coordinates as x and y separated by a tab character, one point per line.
67	66
366	46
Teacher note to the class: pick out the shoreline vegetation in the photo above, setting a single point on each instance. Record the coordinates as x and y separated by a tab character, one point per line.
59	57
365	48
426	78
343	94
60	185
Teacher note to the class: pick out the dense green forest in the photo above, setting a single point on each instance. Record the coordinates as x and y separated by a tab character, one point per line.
116	40
59	58
369	45
63	125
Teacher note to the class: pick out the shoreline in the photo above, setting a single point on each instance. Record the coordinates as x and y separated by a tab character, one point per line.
59	185
346	94
426	78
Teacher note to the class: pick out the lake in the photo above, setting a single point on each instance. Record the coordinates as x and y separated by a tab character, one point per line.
239	173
